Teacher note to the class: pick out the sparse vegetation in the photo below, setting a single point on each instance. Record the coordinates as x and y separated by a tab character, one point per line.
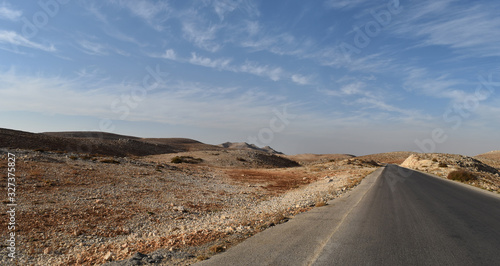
158	167
216	249
462	175
320	203
113	161
176	159
354	182
186	159
278	219
85	157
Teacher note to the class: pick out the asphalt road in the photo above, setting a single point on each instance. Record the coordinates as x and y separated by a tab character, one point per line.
395	217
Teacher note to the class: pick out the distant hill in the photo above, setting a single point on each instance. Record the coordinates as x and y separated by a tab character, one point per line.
492	158
246	146
82	142
97	143
495	155
89	134
184	144
110	144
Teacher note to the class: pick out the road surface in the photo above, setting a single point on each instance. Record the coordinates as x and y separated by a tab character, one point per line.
394	217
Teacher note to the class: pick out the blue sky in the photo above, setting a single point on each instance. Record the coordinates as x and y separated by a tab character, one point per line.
332	76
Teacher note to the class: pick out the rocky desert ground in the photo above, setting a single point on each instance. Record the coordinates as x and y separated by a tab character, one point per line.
87	198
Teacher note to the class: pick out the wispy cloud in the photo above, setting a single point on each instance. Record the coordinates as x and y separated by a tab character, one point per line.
354	88
281	43
419	80
175	102
8	13
107	27
302	80
223	7
343	4
154	13
207	62
369	63
93	48
200	33
274	73
469	30
170	54
13	38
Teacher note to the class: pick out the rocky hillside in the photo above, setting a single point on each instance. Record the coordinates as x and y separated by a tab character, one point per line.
246	146
90	144
109	144
229	158
491	158
89	134
484	176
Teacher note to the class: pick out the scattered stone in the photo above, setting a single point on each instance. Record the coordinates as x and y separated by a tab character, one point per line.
46	251
179	208
138	256
108	256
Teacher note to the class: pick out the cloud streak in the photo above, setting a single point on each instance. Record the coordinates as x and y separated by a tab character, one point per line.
9	14
174	102
13	38
468	30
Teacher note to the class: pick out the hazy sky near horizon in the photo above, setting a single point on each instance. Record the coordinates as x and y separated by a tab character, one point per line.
330	76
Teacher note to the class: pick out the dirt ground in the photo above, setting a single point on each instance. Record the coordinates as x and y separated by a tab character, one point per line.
88	210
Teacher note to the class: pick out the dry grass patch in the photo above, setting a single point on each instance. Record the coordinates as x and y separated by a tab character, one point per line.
320	203
462	175
186	159
274	181
217	249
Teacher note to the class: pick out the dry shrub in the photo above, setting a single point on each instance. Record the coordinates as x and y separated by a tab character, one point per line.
186	159
85	157
216	249
441	164
320	204
278	219
110	161
462	175
354	182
